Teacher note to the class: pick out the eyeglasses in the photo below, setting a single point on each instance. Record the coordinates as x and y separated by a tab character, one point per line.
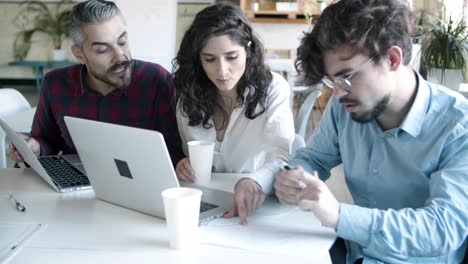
343	82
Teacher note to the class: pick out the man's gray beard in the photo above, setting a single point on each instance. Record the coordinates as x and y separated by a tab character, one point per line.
125	81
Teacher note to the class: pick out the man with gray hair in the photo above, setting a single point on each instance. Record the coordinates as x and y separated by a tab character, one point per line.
107	85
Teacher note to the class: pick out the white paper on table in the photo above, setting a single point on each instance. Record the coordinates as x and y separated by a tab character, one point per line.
13	236
221	181
288	232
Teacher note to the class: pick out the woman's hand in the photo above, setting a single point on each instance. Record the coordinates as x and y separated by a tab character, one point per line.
248	196
184	170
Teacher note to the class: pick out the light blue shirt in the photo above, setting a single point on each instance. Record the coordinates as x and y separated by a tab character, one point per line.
409	184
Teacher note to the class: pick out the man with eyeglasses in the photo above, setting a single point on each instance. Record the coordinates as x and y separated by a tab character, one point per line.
403	142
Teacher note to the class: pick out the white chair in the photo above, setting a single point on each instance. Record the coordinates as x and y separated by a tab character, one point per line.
303	115
12	102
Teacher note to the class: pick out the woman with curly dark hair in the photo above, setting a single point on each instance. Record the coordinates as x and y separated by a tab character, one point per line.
229	96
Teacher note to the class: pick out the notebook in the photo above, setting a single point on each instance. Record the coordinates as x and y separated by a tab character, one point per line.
130	167
64	173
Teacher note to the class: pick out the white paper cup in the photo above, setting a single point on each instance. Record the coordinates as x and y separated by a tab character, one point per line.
182	209
201	160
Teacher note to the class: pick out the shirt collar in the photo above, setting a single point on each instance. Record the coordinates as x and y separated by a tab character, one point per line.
414	120
84	87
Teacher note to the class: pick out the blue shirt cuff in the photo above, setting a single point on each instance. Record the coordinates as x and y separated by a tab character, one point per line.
355	223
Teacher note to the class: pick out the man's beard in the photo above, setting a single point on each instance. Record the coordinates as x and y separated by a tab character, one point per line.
122	82
370	115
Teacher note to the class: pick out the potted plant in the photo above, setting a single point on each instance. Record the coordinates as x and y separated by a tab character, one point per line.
35	17
444	51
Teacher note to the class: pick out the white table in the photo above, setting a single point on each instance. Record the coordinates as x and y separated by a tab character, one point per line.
20	122
82	229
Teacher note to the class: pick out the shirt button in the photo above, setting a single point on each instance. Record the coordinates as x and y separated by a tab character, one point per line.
375	171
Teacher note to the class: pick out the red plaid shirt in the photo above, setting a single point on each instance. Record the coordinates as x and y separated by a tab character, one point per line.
148	102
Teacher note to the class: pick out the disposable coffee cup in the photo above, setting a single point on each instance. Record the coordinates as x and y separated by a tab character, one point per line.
182	209
201	160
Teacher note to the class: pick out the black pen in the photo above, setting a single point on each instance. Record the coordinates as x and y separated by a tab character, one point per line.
302	185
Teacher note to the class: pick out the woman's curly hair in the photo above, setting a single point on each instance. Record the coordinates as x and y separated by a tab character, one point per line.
370	27
196	93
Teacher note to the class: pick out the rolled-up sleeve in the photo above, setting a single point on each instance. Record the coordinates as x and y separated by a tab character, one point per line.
279	133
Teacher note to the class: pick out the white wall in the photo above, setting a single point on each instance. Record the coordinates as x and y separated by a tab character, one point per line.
152	29
455	8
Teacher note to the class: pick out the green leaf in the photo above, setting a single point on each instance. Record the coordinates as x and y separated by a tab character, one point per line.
35	16
445	44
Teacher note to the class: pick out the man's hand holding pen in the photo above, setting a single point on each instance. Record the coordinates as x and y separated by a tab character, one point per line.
288	184
297	187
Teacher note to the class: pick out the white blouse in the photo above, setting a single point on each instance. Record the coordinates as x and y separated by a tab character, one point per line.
257	146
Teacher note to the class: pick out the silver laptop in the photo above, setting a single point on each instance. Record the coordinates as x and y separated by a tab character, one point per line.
64	173
130	167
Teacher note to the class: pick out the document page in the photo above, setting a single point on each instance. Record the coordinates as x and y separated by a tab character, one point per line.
274	229
13	236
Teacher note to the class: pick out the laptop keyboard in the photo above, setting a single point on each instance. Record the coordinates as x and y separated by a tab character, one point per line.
204	206
63	173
